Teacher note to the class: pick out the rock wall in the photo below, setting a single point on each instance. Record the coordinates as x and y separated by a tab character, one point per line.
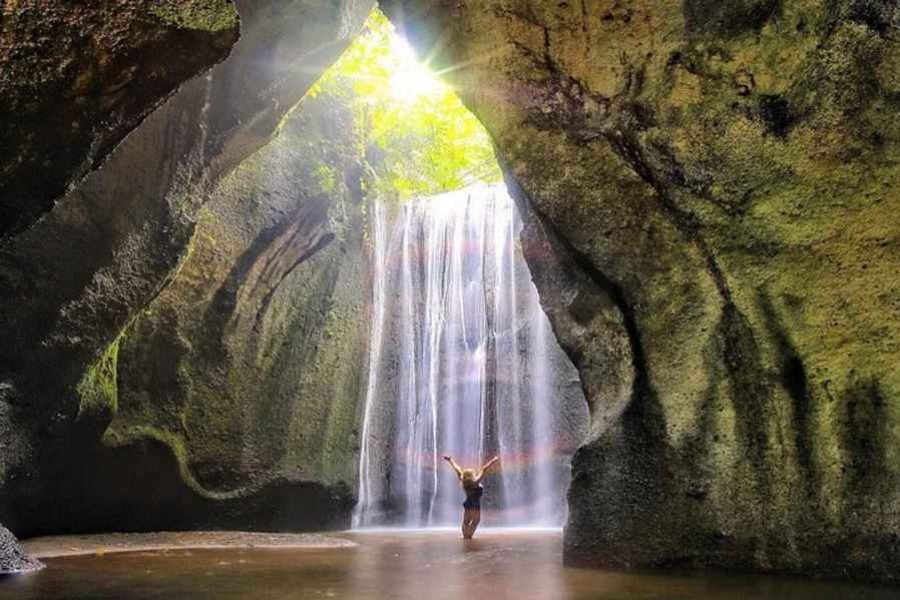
712	191
72	282
710	196
76	77
247	367
231	400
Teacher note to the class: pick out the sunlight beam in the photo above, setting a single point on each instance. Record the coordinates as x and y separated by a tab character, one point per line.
410	80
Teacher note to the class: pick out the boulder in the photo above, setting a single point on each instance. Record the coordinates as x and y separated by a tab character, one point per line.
12	559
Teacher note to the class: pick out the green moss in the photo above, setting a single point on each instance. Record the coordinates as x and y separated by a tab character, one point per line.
326	178
201	15
98	389
121	437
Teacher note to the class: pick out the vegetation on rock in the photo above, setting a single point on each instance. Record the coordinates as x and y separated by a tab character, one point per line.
206	15
70	282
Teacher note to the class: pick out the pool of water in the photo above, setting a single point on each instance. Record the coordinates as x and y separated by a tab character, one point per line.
386	565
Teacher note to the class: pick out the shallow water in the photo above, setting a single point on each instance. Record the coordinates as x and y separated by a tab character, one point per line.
496	565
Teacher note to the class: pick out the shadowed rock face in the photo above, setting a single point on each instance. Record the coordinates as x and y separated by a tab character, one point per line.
72	283
237	387
718	180
75	77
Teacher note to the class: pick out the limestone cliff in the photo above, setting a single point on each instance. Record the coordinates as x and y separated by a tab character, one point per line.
718	181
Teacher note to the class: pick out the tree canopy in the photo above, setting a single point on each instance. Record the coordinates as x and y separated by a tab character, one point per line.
419	137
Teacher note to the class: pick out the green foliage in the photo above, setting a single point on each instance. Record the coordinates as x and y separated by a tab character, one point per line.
418	136
98	390
326	177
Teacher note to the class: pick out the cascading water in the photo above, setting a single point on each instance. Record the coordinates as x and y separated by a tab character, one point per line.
462	361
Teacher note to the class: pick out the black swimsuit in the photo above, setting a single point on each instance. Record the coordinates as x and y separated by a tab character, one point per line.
473	496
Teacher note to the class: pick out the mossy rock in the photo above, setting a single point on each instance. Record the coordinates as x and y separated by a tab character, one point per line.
723	172
201	15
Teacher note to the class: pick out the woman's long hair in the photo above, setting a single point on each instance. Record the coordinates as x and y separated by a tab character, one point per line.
468	477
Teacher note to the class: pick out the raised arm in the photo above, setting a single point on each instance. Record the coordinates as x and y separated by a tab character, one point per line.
486	466
453	464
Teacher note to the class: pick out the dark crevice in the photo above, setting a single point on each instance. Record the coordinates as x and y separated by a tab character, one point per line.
585	25
727	18
776	114
751	397
795	381
320	244
642	391
865	436
631	152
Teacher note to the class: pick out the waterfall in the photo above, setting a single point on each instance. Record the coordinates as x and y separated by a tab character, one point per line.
462	361
375	345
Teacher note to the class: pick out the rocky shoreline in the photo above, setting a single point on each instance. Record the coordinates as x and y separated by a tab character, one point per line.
12	558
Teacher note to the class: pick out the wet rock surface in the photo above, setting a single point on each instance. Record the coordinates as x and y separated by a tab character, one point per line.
717	179
12	558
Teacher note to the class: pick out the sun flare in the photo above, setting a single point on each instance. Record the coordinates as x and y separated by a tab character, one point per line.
417	133
410	79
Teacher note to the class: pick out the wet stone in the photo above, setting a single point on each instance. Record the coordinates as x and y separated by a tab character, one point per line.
12	558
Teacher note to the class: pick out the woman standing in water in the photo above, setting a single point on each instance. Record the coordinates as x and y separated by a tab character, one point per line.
471	484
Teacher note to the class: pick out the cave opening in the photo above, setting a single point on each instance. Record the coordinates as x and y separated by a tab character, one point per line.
461	360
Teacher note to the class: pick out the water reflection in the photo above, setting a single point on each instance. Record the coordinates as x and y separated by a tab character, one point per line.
496	565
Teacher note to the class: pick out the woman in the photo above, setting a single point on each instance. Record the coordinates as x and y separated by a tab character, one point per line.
471	484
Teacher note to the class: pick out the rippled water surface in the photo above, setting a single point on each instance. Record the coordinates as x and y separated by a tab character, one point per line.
416	565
